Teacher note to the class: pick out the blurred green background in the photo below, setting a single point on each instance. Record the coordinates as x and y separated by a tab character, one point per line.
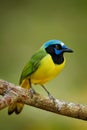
24	26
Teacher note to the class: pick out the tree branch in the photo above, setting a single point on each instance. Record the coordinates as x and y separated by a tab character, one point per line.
11	93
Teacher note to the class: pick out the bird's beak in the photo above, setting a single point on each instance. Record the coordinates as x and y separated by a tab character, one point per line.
66	49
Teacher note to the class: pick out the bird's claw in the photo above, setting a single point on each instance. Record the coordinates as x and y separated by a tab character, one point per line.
51	97
32	90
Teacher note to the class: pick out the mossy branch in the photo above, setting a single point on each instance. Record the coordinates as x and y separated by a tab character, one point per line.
11	93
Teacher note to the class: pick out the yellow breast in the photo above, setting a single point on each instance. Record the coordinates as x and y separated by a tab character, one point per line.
46	71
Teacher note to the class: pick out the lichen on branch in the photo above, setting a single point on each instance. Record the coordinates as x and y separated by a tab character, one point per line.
12	93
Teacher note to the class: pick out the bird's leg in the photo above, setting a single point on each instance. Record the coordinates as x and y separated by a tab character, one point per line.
49	95
31	89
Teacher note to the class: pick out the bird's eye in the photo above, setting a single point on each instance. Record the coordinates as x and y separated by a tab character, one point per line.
58	47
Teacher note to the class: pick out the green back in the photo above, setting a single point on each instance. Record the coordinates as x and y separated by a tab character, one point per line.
33	64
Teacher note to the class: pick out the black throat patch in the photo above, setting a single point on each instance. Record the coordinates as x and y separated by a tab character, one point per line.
57	59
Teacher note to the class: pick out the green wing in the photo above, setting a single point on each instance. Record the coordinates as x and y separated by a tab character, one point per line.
33	64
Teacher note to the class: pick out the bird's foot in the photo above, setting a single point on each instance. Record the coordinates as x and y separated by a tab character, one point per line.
32	90
51	98
49	95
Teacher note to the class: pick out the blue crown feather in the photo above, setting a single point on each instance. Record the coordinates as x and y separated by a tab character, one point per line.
52	42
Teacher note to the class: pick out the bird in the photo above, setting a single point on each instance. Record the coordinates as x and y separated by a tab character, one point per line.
44	65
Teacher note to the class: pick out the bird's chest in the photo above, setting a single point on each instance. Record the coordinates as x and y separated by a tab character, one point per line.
46	71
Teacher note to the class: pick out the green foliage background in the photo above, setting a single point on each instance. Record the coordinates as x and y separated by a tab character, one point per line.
24	26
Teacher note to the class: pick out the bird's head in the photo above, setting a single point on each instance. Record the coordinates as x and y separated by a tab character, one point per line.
56	49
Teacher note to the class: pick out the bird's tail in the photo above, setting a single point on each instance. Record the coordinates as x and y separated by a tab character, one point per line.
17	107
